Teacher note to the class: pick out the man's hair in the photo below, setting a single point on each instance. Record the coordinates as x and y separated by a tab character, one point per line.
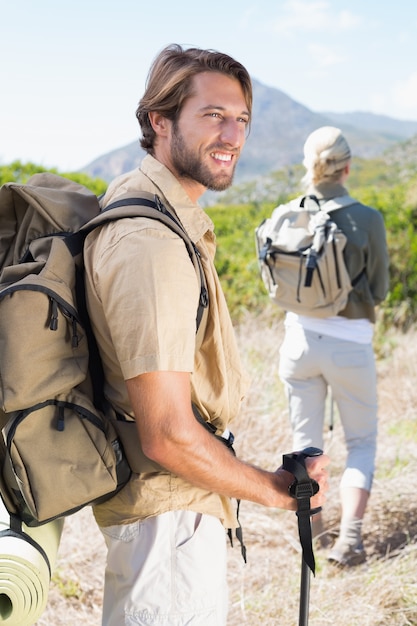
169	83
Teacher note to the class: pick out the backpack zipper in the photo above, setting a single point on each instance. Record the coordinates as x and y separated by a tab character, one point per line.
60	424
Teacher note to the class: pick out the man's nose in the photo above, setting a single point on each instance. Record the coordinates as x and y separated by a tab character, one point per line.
233	133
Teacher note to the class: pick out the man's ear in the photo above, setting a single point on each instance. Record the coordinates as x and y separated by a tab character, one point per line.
160	124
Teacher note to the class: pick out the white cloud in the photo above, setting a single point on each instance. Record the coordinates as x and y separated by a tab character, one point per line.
378	103
399	102
302	15
247	17
405	94
324	56
346	20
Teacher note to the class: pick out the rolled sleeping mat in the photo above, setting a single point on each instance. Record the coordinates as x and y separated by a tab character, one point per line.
27	558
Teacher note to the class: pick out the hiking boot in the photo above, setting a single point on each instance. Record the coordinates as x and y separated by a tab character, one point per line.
347	555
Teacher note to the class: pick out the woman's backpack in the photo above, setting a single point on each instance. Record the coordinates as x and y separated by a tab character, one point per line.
300	255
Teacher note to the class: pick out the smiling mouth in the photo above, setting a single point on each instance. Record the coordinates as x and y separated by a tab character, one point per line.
221	156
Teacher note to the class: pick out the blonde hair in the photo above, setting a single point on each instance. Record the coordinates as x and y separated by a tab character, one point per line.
326	154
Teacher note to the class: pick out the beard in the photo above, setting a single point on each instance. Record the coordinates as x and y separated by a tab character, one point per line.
189	164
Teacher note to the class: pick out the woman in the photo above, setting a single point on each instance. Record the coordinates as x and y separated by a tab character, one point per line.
336	352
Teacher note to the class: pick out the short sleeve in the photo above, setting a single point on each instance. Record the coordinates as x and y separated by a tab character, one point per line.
148	290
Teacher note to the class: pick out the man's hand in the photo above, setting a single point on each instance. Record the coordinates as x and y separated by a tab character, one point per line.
316	469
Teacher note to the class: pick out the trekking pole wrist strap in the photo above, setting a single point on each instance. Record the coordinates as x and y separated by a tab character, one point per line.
302	489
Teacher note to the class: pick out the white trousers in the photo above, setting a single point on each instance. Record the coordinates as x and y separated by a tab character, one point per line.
310	363
169	570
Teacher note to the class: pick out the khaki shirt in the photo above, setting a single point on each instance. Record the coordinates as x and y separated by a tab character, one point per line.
142	293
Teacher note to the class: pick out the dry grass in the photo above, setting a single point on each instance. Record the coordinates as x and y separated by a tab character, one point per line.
265	592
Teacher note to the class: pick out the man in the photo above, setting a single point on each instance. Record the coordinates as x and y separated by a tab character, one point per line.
165	530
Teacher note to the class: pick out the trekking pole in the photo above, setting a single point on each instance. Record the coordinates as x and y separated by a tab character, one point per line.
331	418
302	489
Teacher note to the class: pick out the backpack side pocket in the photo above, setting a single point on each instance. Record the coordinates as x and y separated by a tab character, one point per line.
62	455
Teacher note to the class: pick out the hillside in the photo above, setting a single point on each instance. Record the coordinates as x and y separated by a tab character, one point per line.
381	124
265	591
402	159
279	128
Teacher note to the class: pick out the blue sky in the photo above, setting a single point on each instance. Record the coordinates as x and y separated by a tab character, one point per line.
73	72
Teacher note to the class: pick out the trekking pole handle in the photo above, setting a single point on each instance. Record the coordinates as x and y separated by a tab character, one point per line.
311	451
303	486
302	489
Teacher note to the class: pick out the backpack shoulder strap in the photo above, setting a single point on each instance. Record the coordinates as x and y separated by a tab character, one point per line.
150	206
330	205
341	202
338	203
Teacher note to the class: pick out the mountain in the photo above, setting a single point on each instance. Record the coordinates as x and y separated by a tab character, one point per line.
382	124
401	159
279	128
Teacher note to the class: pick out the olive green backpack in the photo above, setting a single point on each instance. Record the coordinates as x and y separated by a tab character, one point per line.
60	448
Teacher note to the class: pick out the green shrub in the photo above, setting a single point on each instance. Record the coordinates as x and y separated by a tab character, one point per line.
238	268
18	172
370	181
236	260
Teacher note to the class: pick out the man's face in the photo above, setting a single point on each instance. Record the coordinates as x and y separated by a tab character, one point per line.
211	130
